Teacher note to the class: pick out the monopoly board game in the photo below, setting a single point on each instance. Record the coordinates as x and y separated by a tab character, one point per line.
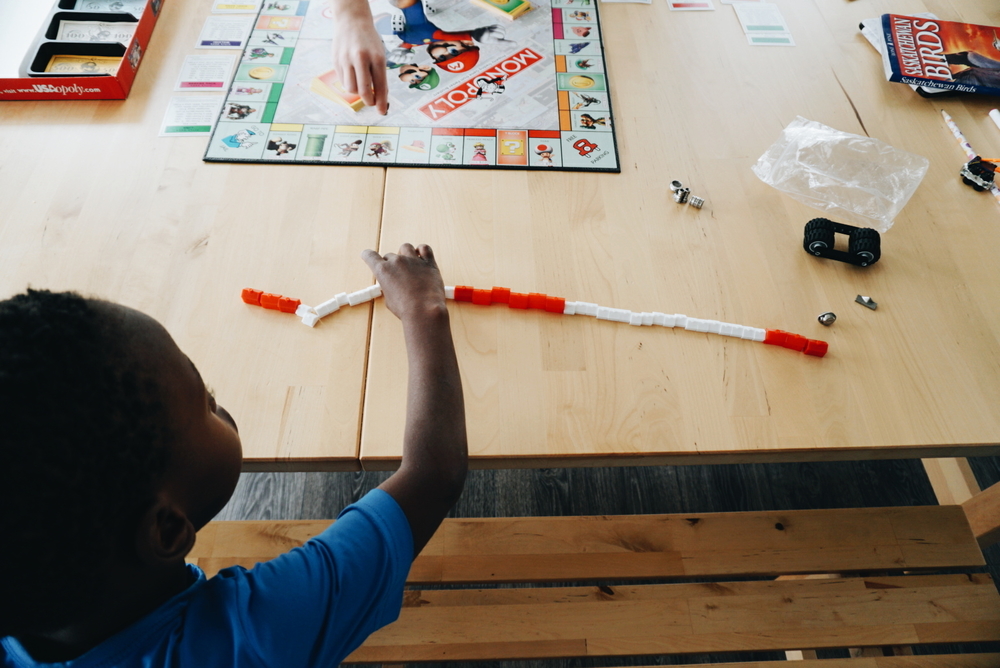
469	87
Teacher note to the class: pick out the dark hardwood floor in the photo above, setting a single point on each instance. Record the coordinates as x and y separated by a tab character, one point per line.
594	491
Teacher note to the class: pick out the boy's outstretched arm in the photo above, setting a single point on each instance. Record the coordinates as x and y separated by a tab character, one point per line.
435	454
358	53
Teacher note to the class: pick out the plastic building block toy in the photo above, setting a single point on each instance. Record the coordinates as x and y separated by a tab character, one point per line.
864	244
554	305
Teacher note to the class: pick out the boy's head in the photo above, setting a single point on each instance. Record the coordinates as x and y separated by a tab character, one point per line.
113	454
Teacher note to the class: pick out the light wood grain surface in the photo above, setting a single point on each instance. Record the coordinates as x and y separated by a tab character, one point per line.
95	201
693	101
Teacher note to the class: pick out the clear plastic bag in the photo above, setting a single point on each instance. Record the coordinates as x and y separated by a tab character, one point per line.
858	178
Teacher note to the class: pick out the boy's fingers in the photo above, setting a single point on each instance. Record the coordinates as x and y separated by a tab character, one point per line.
365	86
372	259
425	252
381	86
350	81
407	250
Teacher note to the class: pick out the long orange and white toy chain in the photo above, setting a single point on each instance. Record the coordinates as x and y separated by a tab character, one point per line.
462	293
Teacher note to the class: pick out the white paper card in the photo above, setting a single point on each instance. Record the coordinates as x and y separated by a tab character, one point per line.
205	72
760	17
191	115
225	32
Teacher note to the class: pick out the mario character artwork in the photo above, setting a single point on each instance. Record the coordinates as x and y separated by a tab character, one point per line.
419	76
451	51
280	146
479	154
237	112
379	149
347	149
544	155
446	151
584	100
588	121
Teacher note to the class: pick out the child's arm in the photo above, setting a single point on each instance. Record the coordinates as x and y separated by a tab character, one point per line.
358	53
435	455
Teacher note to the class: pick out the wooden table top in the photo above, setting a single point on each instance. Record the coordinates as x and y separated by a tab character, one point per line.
95	201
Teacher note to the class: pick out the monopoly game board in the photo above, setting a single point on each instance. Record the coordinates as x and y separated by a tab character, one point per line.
468	88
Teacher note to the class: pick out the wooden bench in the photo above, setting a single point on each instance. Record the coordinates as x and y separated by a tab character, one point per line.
896	585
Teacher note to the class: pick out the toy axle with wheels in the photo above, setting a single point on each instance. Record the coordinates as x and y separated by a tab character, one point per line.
864	244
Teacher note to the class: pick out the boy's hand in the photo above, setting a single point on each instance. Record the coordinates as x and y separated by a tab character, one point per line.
358	54
410	280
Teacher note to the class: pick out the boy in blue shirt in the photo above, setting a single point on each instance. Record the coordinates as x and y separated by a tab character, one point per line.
114	454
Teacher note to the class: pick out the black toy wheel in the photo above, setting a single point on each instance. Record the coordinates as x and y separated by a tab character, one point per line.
865	245
818	236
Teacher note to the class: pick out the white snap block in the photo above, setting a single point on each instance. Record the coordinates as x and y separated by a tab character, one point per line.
692	324
727	329
680	320
604	313
713	326
303	310
647	318
659	319
358	297
635	318
670	320
310	319
569	308
759	334
622	314
342	299
449	292
586	308
375	291
326	308
747	333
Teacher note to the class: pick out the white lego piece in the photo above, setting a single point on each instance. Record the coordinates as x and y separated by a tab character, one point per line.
622	314
604	313
759	335
449	292
713	326
342	299
310	319
746	333
680	320
670	320
728	329
659	319
635	318
586	308
647	318
358	297
693	325
326	308
303	310
375	291
569	308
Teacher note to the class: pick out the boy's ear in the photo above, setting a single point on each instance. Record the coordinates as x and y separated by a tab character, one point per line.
165	533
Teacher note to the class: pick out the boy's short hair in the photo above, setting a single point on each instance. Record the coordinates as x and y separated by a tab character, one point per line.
83	444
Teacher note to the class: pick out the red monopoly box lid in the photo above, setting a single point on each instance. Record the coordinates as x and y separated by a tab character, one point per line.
114	86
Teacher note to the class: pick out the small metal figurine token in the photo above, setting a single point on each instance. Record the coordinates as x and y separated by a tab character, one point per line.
696	201
681	195
827	318
978	174
866	301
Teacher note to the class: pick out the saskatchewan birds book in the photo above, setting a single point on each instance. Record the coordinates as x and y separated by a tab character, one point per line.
941	54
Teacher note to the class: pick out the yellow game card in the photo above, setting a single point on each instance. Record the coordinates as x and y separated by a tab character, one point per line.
83	64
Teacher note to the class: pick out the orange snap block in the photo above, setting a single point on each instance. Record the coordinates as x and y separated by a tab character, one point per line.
267	300
555	304
795	342
251	296
775	337
816	348
500	295
536	300
288	305
518	300
481	297
463	293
